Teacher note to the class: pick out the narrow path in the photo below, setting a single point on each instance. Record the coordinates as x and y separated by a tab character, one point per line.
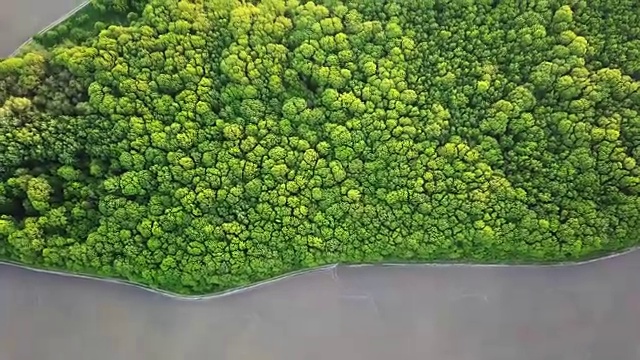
589	311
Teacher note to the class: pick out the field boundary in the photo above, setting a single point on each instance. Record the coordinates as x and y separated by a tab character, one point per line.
323	268
57	22
242	289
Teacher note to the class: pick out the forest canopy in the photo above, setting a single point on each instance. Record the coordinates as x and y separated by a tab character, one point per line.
199	145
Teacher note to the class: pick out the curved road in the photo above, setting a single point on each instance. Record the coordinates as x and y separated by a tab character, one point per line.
585	312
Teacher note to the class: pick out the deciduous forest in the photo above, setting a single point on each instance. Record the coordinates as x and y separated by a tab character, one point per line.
200	145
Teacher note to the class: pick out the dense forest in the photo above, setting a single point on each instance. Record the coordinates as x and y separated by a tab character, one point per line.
199	145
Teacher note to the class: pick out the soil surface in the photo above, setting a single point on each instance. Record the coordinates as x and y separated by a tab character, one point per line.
581	312
21	19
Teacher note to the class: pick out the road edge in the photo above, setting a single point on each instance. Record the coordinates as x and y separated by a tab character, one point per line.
289	275
61	19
